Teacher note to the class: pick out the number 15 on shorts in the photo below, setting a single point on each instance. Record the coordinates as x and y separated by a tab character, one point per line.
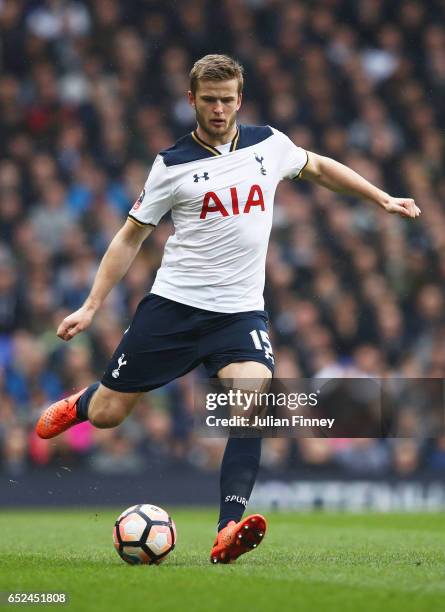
261	342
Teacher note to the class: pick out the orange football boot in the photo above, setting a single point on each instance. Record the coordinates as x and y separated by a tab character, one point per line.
238	538
59	417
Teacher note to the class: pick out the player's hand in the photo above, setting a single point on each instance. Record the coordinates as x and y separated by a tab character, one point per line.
75	323
403	206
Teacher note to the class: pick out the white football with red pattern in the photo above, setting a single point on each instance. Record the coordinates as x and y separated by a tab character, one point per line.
144	534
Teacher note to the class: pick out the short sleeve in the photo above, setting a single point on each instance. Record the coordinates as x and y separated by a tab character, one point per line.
156	198
293	159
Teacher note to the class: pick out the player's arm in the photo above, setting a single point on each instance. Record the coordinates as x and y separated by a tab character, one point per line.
115	263
342	179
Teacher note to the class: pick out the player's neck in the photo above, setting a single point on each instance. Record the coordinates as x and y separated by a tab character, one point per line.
216	141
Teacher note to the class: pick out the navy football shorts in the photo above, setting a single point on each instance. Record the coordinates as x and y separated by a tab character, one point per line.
167	339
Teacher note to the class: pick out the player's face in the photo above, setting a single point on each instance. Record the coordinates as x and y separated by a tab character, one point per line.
216	104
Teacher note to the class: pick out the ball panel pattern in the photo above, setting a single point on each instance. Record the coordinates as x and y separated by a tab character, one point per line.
144	534
159	539
131	527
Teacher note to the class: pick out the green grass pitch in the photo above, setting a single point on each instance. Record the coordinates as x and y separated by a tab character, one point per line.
307	562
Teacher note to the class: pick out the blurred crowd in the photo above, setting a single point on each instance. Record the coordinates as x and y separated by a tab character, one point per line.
90	91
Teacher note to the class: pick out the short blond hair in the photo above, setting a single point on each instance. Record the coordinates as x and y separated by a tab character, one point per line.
215	67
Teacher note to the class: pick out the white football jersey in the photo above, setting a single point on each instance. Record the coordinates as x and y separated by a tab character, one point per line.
221	202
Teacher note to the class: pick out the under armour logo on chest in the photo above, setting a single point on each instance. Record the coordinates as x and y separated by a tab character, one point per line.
204	175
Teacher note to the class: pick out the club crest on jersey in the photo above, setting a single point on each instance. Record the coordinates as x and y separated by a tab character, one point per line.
204	175
139	201
260	161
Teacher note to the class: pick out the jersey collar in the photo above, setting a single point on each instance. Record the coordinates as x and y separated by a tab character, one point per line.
212	149
234	142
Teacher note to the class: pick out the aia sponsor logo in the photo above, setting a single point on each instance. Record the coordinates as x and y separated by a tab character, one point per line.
212	203
139	201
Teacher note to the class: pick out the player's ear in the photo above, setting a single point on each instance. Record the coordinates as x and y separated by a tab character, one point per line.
240	99
191	98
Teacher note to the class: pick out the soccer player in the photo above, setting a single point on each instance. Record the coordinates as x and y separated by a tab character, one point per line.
206	304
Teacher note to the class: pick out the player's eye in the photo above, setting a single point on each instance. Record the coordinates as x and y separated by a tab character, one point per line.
213	100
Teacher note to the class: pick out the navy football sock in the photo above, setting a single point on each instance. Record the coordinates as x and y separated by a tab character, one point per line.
84	400
239	469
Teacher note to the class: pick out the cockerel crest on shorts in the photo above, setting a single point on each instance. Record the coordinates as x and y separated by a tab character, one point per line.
121	362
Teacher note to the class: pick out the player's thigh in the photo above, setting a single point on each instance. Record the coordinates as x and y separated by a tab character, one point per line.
238	347
108	408
247	375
